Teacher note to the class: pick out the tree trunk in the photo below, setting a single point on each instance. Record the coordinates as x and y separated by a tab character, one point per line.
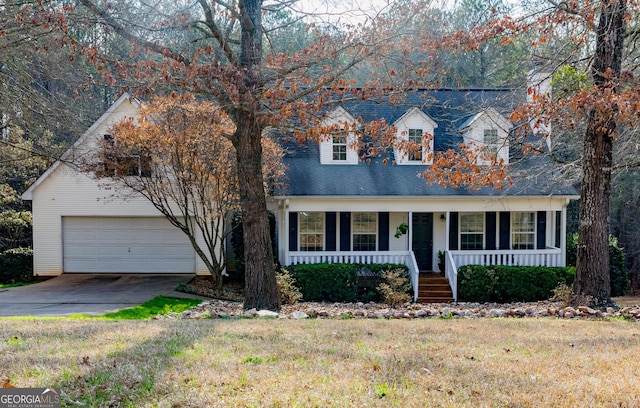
592	264
261	290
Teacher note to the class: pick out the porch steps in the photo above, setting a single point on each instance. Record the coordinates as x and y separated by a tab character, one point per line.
434	288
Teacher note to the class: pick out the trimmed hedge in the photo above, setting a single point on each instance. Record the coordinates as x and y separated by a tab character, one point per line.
339	282
324	281
504	284
16	265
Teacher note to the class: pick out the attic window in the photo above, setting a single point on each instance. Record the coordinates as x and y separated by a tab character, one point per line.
415	145
491	141
117	163
339	148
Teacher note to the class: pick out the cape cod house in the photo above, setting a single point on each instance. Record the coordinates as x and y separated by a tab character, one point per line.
334	206
337	208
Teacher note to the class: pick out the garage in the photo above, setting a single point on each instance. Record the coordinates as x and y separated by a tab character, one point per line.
125	245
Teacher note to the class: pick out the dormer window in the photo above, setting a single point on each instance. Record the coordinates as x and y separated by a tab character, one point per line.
339	147
488	131
415	130
491	141
415	145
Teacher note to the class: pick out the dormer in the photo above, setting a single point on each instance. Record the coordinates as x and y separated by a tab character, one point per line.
489	131
339	147
415	131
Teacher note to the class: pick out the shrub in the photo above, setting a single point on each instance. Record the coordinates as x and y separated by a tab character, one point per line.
505	284
618	273
289	292
16	265
562	293
370	277
326	282
395	288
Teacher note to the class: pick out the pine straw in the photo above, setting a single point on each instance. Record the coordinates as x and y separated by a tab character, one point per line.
266	363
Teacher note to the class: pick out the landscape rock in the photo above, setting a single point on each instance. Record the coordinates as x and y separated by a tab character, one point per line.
267	314
216	308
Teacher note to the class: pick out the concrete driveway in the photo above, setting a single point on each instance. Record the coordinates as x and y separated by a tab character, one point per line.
92	294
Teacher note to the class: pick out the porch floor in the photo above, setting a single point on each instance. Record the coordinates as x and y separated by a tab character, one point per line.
433	287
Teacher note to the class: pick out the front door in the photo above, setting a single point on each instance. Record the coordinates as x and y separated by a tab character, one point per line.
422	241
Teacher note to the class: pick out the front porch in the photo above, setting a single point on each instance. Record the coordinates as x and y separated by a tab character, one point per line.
453	260
525	235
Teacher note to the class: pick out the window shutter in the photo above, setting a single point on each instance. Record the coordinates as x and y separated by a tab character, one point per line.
345	231
383	231
293	231
330	228
541	239
505	229
453	231
491	231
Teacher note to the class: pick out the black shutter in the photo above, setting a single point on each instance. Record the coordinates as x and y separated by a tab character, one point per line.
541	239
293	231
453	231
330	220
345	231
383	231
491	231
505	228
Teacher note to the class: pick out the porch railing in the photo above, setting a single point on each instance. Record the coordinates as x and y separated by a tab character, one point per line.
397	257
529	257
451	273
393	257
515	257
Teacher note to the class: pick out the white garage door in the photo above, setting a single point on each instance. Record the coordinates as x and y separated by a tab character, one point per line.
125	245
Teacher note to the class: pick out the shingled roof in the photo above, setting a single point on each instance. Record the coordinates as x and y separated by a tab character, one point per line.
451	109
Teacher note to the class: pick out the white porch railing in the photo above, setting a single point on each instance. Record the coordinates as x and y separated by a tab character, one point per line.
529	257
393	257
397	257
514	257
451	273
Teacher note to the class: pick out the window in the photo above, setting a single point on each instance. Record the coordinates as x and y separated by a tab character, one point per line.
311	227
491	141
471	231
340	147
415	144
130	164
364	228
523	230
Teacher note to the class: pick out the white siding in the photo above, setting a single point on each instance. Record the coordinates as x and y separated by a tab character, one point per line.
402	243
65	192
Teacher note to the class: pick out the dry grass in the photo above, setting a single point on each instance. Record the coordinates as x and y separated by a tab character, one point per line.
285	363
627	301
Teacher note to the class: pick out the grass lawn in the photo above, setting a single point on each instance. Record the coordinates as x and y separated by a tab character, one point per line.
306	363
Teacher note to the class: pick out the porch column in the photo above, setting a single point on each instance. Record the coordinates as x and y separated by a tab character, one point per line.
446	226
285	247
410	237
563	237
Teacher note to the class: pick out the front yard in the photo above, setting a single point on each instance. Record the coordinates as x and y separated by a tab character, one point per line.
317	362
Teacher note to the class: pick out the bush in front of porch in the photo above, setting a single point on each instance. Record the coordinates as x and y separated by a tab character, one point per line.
505	284
340	282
